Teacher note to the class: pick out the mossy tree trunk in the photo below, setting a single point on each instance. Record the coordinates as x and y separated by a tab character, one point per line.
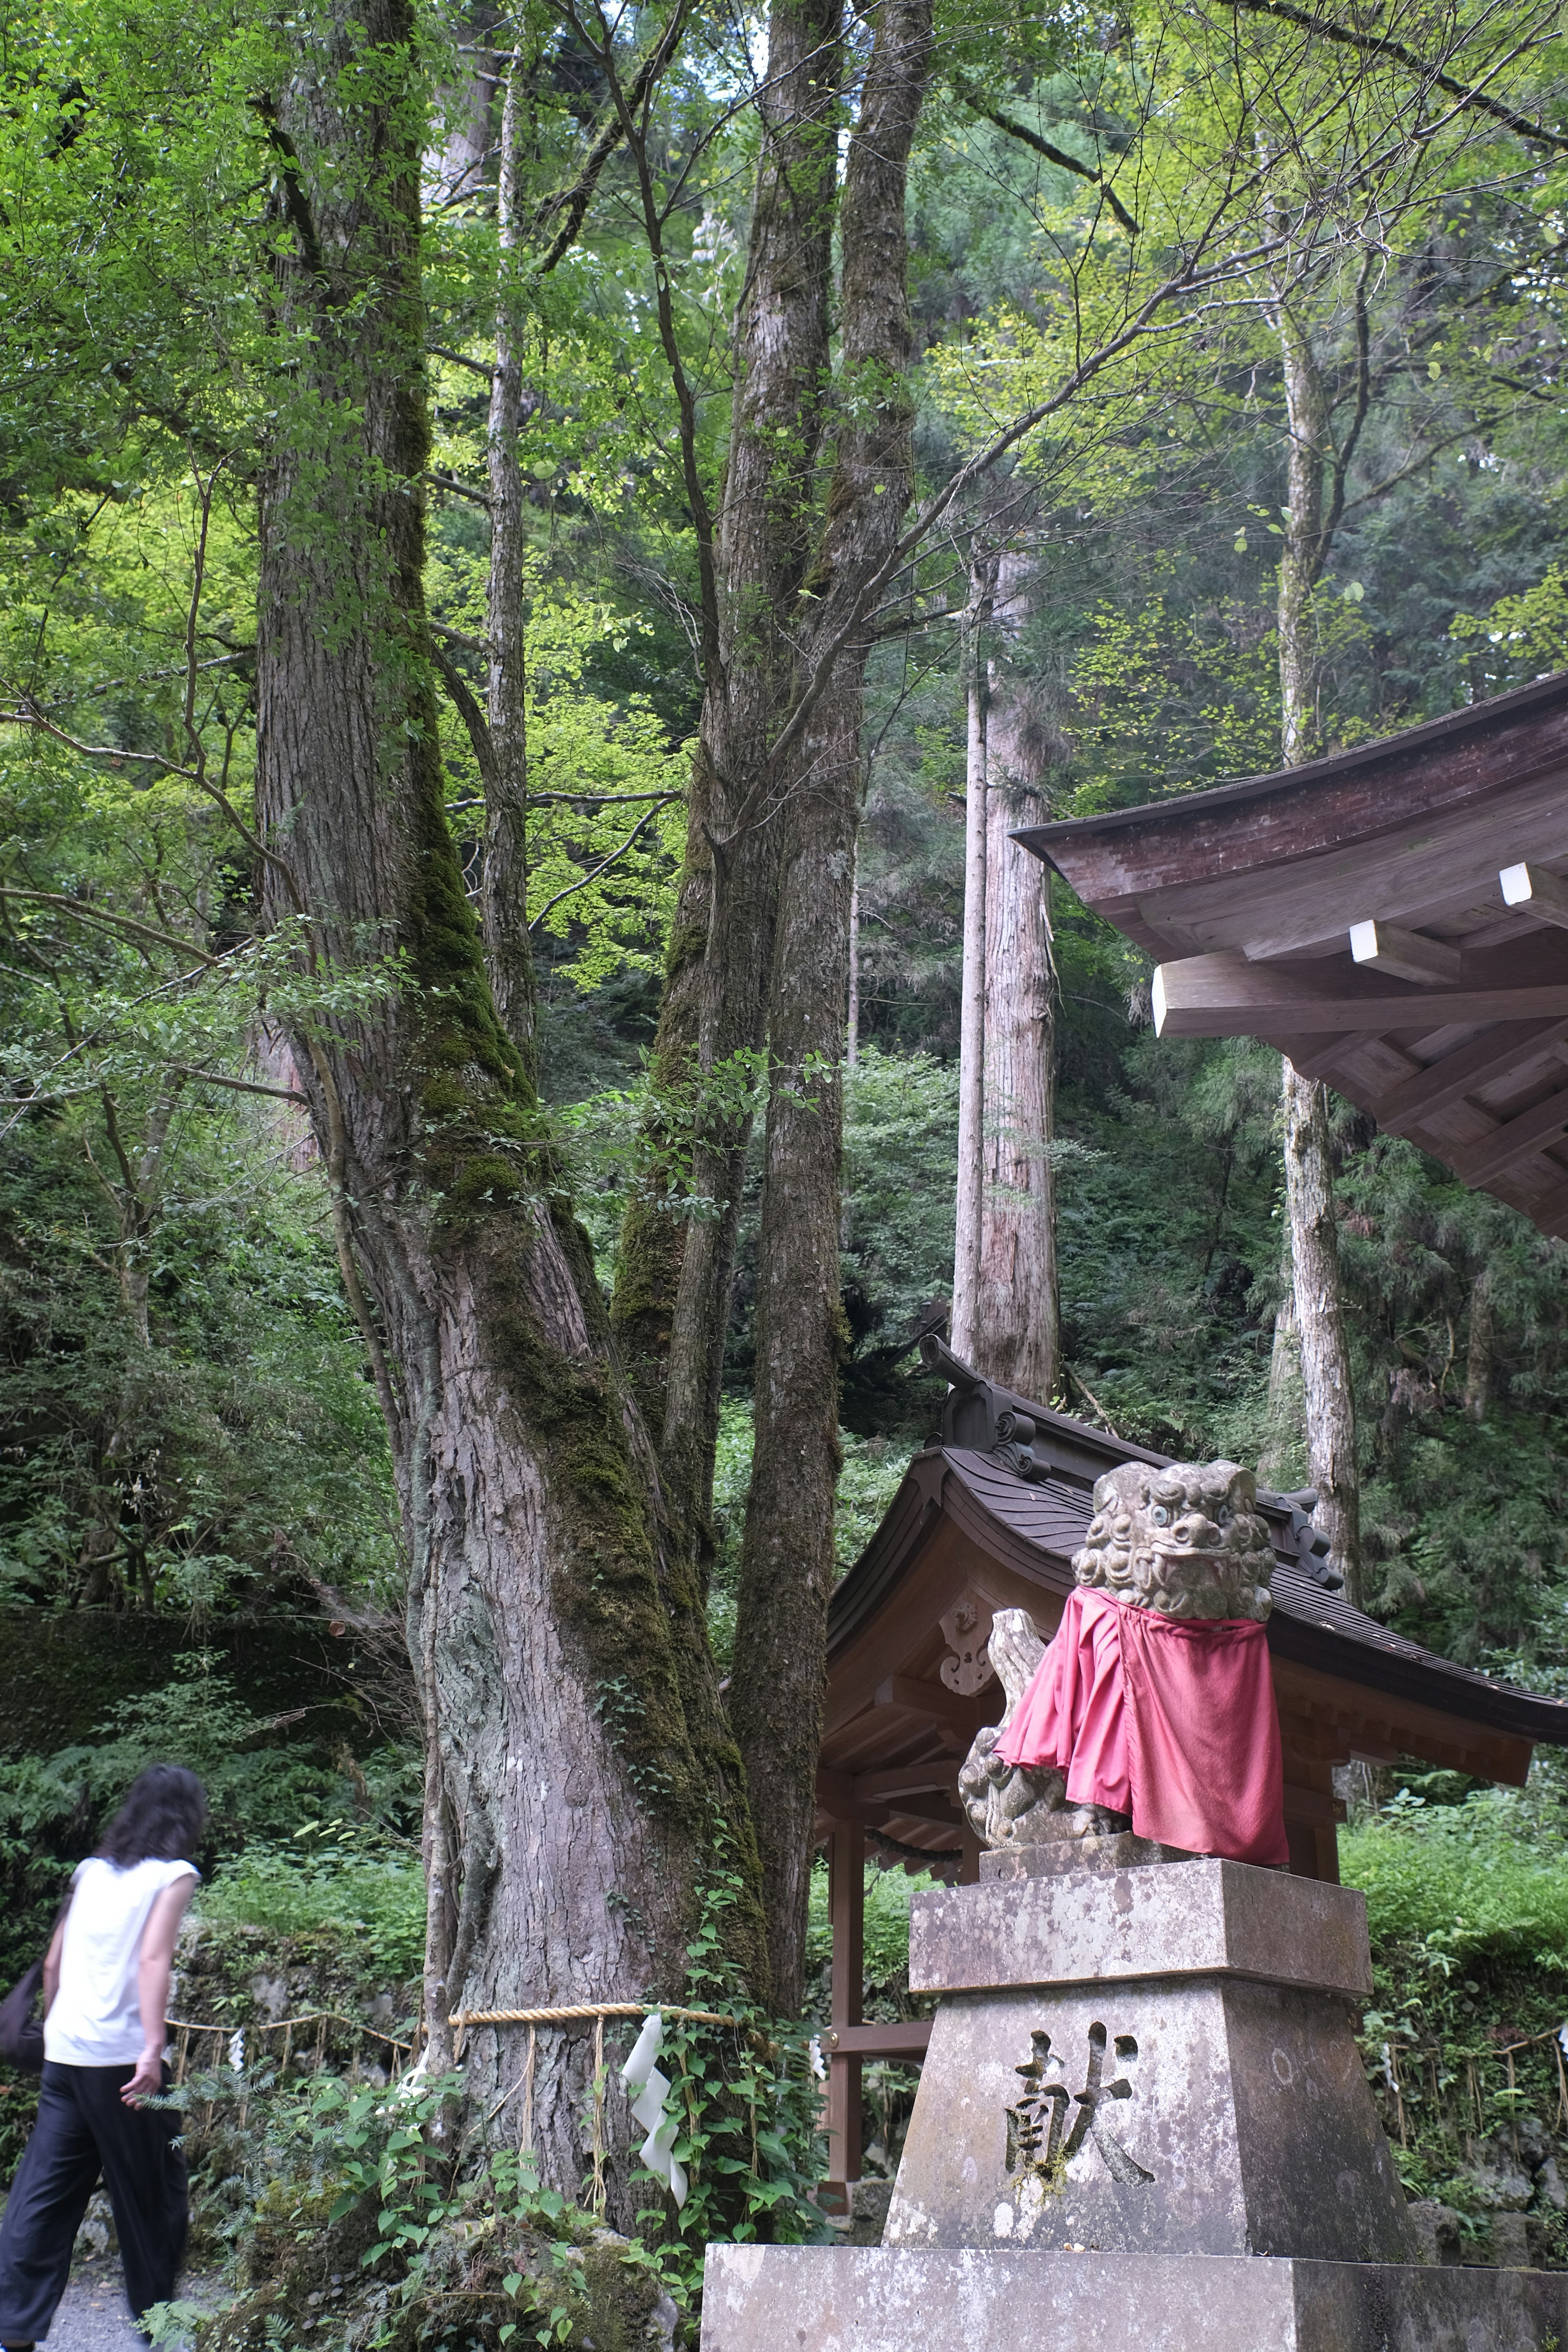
569	1796
672	1299
779	1678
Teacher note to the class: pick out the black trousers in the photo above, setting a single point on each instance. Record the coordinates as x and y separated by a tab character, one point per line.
84	2128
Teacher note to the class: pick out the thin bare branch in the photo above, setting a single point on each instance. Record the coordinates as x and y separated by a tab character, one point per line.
965	92
1376	45
604	866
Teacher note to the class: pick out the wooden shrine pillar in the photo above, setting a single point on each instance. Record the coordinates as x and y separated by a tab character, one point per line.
847	1913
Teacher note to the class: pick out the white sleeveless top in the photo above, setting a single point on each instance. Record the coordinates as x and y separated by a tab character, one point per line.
96	2018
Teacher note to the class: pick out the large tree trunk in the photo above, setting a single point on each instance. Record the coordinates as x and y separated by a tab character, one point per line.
567	1796
672	1297
1014	1317
779	1677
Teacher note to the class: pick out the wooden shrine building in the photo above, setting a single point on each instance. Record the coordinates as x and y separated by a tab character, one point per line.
1395	919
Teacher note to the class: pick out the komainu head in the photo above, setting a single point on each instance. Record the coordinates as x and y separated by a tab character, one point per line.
1185	1540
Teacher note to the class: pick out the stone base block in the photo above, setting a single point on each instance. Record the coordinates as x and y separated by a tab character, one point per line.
878	2299
1223	2118
1050	1858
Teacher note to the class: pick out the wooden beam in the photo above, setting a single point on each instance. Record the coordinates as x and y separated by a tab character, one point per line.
1551	1215
934	1701
843	1798
1225	996
907	2040
1311	1805
1439	1085
937	1777
1319	1057
1517	1138
1543	895
1405	955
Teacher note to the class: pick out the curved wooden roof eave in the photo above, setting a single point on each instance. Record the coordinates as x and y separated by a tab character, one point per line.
1394	917
1309	1626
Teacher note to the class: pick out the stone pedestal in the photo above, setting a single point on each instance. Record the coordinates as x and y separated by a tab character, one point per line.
1143	2115
1155	2061
872	2299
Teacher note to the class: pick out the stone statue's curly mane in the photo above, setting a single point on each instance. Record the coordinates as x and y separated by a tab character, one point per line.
1185	1540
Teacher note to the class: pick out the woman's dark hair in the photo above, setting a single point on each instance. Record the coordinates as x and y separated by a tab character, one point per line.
163	1818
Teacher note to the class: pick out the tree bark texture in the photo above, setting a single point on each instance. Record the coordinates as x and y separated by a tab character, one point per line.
672	1295
1283	1433
504	885
1303	547
1321	1313
969	1209
567	1795
779	1679
1327	1384
1015	1316
1480	1348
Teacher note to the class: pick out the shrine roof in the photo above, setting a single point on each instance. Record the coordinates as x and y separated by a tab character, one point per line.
1031	1528
1394	919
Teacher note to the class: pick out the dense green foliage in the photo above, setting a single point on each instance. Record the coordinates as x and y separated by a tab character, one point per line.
190	1436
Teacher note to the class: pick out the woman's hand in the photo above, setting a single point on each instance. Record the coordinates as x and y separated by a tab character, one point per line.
148	2079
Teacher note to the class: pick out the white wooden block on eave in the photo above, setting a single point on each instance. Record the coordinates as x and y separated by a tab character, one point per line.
1405	955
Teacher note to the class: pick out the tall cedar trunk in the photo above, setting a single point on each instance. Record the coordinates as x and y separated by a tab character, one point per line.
1326	1378
786	1555
672	1295
1480	1350
567	1798
1015	1331
503	891
969	1204
1302	549
1284	1409
1321	1316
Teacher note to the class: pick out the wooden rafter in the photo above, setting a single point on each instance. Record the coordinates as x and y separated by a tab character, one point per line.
1394	920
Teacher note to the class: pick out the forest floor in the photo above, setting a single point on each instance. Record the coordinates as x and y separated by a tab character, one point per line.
93	2315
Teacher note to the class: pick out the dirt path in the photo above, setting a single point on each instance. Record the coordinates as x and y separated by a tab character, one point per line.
92	2316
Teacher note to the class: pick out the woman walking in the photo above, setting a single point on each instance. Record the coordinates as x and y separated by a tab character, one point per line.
106	1997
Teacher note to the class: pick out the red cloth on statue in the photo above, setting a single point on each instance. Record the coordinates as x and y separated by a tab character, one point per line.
1170	1719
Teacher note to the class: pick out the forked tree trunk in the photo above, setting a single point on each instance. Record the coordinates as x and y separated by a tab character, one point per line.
672	1295
779	1679
567	1797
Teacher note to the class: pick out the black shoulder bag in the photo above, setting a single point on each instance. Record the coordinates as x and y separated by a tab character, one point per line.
22	2033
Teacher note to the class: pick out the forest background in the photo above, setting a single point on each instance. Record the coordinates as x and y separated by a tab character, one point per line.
196	1478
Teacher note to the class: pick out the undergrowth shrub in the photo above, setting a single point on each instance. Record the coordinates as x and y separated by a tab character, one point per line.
1468	1907
369	2215
333	1875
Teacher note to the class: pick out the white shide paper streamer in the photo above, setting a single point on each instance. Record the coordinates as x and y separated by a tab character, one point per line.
640	2075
